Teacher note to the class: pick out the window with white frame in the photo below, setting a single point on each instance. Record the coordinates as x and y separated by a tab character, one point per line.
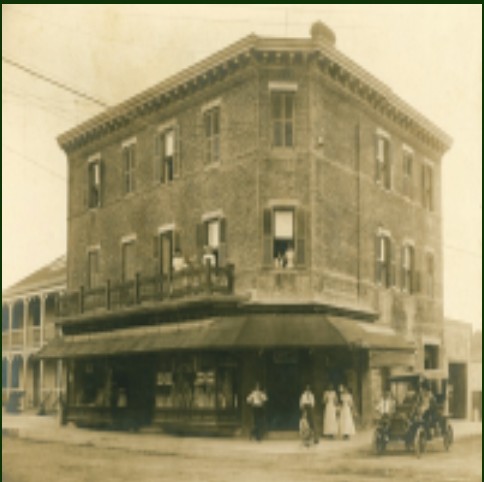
407	162
211	124
166	153
212	240
94	182
282	118
408	268
429	274
383	160
128	259
93	273
427	186
383	259
128	154
284	236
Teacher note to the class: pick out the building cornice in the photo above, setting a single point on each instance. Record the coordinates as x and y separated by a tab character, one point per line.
331	63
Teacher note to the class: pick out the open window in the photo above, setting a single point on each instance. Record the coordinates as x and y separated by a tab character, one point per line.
167	153
284	237
167	250
212	240
94	168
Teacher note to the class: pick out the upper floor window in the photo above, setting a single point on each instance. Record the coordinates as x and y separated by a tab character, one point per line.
408	268
129	166
429	274
93	273
427	186
212	240
284	237
94	182
167	154
384	264
407	162
211	124
383	160
282	118
128	259
431	356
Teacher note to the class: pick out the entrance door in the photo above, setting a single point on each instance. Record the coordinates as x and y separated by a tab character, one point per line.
283	390
458	390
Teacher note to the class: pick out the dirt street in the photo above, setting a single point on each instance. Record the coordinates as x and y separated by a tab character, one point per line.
29	461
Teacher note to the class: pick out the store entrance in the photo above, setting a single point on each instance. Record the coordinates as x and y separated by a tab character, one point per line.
283	390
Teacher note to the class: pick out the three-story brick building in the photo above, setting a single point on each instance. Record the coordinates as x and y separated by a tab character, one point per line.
270	214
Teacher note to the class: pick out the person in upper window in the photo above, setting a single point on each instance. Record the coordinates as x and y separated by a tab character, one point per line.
179	262
289	257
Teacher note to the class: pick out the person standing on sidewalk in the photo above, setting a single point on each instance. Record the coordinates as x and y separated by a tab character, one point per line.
306	403
257	399
346	423
330	403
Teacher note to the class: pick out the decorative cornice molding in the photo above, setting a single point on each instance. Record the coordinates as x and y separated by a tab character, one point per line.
332	63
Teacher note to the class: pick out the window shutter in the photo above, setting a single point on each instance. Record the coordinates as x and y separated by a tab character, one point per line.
222	249
301	226
393	263
416	276
102	168
267	237
422	182
200	239
161	164
388	161
176	241
223	230
402	269
177	153
377	258
377	160
388	262
157	158
156	246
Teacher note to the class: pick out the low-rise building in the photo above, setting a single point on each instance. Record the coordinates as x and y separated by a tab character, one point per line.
29	310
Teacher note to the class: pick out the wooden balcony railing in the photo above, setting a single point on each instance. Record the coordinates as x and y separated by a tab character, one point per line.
206	280
17	338
5	340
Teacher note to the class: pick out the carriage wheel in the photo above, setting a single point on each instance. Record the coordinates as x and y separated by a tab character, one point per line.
420	441
448	437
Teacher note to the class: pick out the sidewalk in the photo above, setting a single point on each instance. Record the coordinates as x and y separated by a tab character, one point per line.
47	429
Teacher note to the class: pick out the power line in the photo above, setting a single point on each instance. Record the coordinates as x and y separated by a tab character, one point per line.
38	164
53	82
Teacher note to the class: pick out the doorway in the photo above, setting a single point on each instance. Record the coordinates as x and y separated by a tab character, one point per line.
458	390
283	390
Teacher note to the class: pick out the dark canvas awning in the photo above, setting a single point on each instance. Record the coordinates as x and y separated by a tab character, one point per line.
243	332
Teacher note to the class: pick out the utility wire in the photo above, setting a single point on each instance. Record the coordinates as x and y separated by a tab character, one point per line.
38	164
53	82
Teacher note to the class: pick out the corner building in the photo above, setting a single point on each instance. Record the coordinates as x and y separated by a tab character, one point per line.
269	214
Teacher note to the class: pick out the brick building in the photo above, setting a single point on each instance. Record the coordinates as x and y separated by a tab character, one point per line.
29	309
269	214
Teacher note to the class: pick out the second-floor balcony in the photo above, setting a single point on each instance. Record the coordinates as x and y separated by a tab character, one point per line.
113	296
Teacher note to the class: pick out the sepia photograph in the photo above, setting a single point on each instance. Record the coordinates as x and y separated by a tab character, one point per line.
241	242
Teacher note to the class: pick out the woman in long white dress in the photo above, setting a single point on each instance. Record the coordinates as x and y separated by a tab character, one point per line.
346	423
330	422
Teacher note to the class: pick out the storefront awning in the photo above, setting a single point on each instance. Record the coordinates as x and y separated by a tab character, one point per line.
249	331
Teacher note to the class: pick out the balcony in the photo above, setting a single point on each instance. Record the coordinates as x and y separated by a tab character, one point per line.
190	282
33	336
17	338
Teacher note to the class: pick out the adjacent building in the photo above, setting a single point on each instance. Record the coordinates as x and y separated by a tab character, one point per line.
29	310
271	214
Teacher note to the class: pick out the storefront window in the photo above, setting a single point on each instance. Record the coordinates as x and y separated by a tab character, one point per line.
199	382
93	385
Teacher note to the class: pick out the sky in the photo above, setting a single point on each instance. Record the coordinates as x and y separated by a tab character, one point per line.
430	55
